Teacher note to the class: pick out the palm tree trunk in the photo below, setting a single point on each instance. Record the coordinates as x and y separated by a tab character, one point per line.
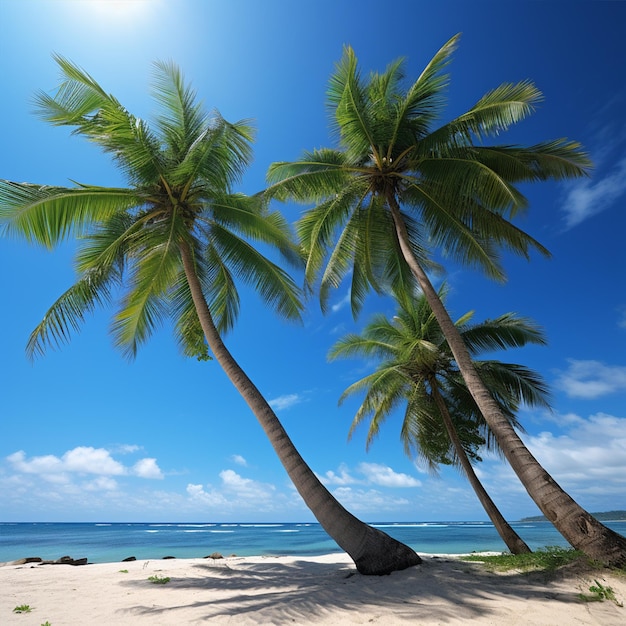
373	551
583	531
512	540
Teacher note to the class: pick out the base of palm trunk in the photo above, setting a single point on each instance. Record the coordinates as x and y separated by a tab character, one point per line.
597	541
382	555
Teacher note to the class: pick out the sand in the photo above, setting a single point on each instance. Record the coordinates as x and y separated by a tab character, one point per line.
327	589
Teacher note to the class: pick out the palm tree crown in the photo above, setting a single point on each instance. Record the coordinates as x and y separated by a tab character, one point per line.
415	362
452	192
442	423
180	175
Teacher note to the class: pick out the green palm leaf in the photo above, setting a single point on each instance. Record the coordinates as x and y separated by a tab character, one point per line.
180	178
414	362
459	194
48	215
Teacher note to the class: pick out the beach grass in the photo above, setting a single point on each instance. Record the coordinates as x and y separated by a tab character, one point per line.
548	558
159	580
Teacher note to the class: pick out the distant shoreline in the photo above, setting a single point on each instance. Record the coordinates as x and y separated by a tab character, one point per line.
605	516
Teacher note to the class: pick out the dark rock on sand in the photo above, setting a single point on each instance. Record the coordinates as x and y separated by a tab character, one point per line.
67	560
129	558
28	559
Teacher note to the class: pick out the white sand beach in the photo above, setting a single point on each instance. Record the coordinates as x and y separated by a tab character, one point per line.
327	589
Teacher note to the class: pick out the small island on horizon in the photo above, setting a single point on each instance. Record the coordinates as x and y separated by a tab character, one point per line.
606	516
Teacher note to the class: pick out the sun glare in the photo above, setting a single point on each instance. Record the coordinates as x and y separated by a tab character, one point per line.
118	9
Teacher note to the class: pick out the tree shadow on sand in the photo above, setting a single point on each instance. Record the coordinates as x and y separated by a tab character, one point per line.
438	590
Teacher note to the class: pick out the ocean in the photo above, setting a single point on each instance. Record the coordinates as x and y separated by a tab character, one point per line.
111	542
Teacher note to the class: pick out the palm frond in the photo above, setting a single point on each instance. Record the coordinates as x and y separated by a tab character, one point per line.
78	96
316	176
352	345
347	94
506	331
188	330
271	283
68	312
154	269
48	215
423	102
384	392
248	216
82	103
221	291
182	117
551	160
106	243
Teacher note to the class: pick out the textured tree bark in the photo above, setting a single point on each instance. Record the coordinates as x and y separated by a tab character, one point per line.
512	540
583	531
373	551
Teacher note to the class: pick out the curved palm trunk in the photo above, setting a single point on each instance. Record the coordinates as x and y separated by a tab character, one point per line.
373	552
583	531
512	540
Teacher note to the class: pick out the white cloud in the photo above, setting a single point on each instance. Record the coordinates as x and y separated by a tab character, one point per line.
102	483
239	460
91	461
590	197
588	460
361	500
342	304
384	476
370	474
595	448
343	477
82	459
232	481
209	498
147	468
285	402
38	465
79	461
126	448
240	494
591	379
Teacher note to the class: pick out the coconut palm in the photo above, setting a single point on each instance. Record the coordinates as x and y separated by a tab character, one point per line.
173	243
442	424
398	188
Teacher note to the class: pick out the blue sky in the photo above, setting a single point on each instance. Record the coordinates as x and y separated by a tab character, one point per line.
86	435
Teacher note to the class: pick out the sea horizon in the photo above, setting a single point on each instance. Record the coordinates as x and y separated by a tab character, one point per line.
102	542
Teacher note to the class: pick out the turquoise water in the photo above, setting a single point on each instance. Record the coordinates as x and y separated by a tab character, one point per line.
104	542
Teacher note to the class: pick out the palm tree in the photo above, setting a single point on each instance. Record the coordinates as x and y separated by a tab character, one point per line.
415	368
397	187
173	243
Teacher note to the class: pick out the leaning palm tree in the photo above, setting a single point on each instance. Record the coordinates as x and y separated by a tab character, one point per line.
415	369
173	243
396	187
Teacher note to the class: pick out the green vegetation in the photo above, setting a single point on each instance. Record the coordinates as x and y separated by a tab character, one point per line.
123	571
46	623
600	593
159	580
22	608
607	516
548	558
